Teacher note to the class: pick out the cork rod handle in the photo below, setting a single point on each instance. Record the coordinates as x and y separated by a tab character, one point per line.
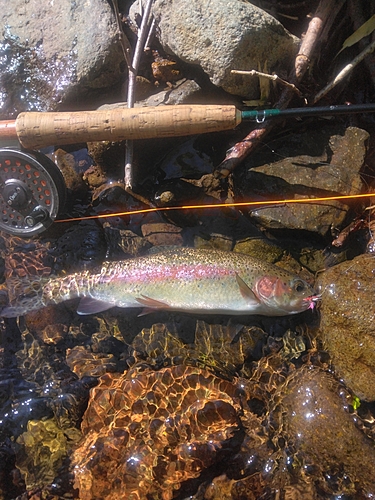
36	130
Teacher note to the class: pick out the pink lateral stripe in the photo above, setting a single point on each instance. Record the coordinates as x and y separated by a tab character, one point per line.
170	272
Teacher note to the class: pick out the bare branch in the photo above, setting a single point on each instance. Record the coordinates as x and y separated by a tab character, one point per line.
125	44
273	77
133	71
345	72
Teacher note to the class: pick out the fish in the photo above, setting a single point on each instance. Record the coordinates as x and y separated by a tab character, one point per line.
185	279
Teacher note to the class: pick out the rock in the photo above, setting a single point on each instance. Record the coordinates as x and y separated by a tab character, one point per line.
51	53
322	436
43	447
95	175
162	234
146	432
124	240
259	248
188	160
347	322
70	170
82	246
217	241
224	347
319	163
85	363
221	36
25	257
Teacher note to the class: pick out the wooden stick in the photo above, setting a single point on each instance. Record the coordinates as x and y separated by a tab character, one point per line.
274	78
345	71
133	71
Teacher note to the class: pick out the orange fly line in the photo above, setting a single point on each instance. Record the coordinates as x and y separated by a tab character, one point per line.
222	205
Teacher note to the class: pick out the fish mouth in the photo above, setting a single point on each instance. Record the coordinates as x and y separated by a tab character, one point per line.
312	300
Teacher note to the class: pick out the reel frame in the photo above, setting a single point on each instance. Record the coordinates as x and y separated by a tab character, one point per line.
32	191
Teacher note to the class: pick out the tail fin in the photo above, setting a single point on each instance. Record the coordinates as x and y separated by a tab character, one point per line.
20	296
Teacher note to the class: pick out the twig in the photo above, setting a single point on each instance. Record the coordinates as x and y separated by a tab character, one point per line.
125	44
150	34
273	77
344	72
356	225
142	35
324	15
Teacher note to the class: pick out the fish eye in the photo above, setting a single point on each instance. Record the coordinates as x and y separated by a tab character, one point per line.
299	286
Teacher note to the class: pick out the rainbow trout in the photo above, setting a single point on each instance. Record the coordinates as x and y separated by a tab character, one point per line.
197	281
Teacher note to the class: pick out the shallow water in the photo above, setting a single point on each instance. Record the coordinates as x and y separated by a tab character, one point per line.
170	405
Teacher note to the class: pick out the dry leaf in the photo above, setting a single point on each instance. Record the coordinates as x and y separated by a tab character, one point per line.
363	31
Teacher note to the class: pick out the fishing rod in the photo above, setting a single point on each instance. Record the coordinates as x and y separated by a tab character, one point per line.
35	130
32	188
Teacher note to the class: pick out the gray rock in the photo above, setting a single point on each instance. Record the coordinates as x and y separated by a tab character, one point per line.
51	51
316	163
223	35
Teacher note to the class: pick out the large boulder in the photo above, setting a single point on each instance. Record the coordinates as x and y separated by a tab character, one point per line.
223	35
50	52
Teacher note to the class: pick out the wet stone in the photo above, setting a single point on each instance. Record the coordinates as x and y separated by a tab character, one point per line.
223	348
217	241
42	448
146	432
83	362
62	60
313	164
26	257
259	248
347	322
322	436
95	176
81	247
124	241
161	233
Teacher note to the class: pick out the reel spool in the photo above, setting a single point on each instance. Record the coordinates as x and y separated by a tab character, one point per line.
32	189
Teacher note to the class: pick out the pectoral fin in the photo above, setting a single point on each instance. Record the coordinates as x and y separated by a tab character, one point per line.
245	290
152	303
88	305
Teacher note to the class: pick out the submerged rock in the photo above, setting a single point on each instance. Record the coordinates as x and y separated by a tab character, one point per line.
146	432
312	164
221	36
162	233
43	447
322	437
347	322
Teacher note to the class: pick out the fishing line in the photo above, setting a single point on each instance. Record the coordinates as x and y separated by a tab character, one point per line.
221	205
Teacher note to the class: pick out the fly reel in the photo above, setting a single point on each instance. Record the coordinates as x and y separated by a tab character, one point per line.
32	190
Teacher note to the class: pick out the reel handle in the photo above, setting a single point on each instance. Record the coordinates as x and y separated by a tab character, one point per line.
36	130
